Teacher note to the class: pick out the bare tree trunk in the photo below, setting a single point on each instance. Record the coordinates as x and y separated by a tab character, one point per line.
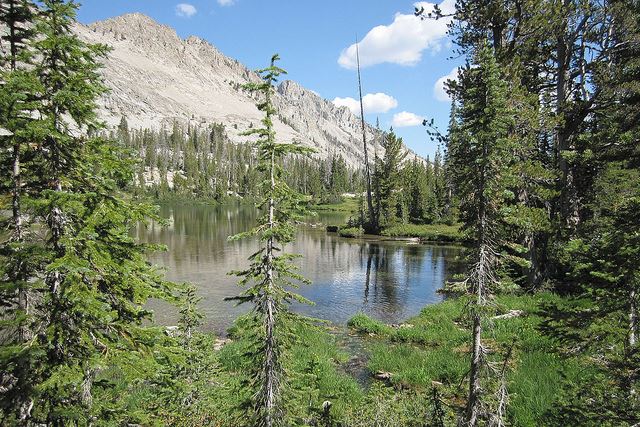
85	394
634	327
568	194
481	276
473	402
24	303
372	214
270	370
24	333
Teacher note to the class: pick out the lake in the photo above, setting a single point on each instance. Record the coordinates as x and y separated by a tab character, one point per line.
388	280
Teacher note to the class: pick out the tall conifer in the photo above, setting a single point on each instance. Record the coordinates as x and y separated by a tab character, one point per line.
271	271
482	134
91	277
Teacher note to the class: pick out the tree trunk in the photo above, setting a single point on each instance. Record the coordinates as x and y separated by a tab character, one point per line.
372	214
535	273
270	380
568	208
473	402
634	327
24	333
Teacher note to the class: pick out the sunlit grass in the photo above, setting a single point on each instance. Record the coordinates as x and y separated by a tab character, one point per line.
434	347
427	232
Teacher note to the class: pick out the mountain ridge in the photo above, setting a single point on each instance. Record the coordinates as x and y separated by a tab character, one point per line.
156	77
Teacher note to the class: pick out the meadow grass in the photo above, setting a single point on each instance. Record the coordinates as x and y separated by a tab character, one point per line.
366	325
348	204
313	371
426	232
433	348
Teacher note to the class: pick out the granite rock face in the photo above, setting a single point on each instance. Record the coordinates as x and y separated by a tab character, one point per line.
156	77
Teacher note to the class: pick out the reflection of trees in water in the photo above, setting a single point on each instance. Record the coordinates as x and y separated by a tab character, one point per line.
389	280
198	231
381	276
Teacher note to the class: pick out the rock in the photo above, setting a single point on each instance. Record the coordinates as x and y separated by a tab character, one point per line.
382	375
509	315
157	77
220	342
326	407
172	331
402	326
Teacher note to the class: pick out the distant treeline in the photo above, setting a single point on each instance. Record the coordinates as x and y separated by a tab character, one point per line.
201	162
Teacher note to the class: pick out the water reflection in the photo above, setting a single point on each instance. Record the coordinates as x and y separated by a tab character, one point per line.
387	280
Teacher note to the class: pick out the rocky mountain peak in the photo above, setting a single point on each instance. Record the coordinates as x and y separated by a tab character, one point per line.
135	27
156	78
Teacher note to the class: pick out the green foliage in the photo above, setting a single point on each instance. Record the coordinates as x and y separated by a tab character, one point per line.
87	280
312	365
351	232
426	232
202	163
364	324
432	347
387	182
271	272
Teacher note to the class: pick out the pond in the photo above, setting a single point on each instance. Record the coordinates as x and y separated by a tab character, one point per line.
388	280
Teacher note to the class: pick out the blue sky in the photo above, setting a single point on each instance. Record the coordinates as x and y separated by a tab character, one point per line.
403	58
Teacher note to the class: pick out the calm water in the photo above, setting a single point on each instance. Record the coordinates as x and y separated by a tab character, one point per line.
390	281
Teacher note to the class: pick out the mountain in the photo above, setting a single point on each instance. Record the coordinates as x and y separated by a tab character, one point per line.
156	77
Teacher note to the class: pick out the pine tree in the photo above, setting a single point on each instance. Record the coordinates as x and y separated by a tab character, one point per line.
603	257
92	278
481	133
18	89
389	181
271	271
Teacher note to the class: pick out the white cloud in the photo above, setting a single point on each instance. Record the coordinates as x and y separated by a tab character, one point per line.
406	119
186	10
401	42
372	102
226	2
439	91
350	103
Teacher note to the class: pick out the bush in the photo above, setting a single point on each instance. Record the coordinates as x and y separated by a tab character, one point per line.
351	232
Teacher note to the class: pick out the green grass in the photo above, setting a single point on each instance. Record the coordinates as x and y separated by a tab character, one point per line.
434	346
313	368
351	232
348	204
366	325
426	232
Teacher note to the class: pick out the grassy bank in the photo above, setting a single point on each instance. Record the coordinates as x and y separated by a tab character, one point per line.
432	351
348	205
412	366
314	371
426	232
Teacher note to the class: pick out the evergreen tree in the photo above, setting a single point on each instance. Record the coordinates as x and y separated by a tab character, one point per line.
18	89
603	257
92	278
389	180
481	133
271	271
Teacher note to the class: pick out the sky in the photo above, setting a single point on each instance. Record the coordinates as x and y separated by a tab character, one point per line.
404	60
